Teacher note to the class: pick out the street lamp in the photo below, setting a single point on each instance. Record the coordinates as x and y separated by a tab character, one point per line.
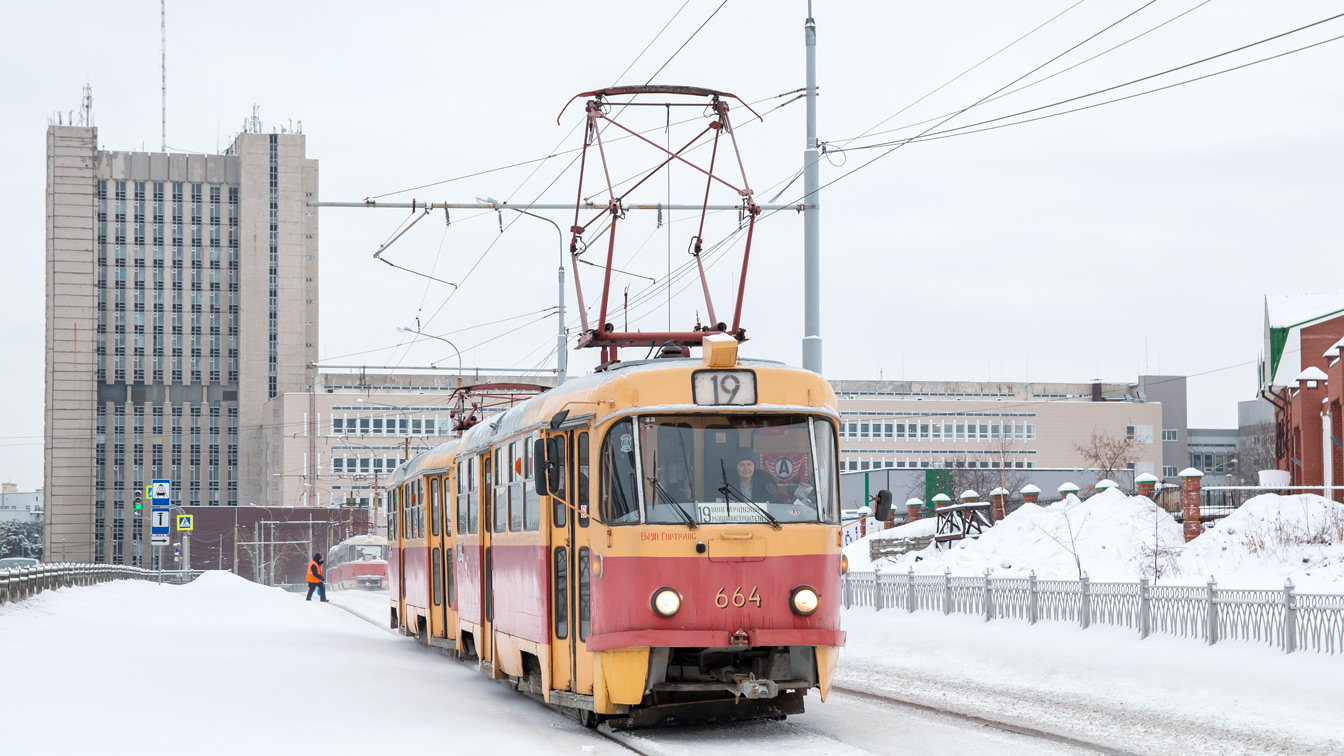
418	332
561	353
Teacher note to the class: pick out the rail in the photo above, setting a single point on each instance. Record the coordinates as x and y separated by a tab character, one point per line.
19	583
1282	618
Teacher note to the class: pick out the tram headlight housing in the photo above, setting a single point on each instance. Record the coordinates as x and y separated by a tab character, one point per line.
844	564
665	602
804	601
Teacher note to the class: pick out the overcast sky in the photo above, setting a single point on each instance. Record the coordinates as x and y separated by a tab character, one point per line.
1134	237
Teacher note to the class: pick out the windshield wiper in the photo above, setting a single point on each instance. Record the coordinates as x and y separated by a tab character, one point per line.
726	489
676	505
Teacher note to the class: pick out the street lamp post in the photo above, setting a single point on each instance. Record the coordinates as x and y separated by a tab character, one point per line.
418	332
561	352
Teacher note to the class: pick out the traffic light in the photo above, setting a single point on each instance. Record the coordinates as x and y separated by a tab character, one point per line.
138	505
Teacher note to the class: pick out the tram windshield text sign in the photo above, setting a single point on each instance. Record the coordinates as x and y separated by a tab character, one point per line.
720	387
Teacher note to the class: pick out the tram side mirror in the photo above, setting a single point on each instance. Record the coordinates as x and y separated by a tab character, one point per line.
882	510
541	463
553	471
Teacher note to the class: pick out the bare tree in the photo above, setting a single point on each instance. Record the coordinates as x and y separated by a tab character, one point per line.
1158	560
1003	467
1109	455
1255	452
1071	545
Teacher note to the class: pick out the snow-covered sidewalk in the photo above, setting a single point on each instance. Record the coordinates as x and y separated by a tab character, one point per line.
224	666
1102	685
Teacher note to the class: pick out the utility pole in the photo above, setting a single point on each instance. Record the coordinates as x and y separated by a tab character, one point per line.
186	552
163	67
811	211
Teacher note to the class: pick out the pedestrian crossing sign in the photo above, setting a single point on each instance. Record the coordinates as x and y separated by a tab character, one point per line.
184	523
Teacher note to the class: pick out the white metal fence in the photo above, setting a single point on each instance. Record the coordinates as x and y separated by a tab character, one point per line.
19	583
1282	618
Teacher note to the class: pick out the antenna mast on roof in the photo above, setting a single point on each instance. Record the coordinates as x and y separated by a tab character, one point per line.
163	69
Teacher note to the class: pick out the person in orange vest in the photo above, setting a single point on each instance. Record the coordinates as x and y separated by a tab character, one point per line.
315	580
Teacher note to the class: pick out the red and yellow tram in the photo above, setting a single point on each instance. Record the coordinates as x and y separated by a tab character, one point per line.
358	562
656	542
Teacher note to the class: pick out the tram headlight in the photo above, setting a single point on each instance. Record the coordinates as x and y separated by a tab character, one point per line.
666	602
844	564
804	600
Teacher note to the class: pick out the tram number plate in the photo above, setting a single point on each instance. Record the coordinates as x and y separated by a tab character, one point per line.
723	599
718	387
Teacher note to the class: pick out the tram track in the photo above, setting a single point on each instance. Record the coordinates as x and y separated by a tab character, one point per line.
647	743
1017	729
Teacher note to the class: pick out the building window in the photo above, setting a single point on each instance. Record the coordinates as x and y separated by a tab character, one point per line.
1168	434
1169	471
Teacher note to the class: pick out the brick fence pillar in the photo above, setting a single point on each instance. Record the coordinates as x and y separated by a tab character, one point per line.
999	498
1190	483
1030	493
940	501
1145	485
1065	489
912	509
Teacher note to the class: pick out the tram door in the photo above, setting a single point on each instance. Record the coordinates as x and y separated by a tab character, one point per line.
442	617
486	642
401	554
571	662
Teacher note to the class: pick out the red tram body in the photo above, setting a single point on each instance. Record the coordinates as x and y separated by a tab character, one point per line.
591	545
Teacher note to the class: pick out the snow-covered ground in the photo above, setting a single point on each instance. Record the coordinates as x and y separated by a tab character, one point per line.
1103	685
1111	536
224	666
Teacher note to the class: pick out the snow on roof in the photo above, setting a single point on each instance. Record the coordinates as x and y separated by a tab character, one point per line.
1285	315
969	494
1031	488
1000	491
1190	472
1312	373
1146	478
1335	350
1286	310
1071	488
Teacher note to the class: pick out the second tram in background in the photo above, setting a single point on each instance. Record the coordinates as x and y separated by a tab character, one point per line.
358	562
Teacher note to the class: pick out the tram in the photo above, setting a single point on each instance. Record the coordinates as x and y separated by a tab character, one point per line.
658	542
358	562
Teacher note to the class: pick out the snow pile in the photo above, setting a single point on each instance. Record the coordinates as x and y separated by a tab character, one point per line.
1271	538
1110	536
859	553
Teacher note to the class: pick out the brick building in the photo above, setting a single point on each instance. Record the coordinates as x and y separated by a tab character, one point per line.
1302	375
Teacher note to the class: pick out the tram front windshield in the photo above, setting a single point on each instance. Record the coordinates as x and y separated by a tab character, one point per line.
719	469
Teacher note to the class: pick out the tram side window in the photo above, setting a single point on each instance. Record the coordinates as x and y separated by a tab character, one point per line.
460	489
561	603
515	488
619	492
418	524
473	496
448	577
434	506
531	502
438	575
828	503
392	520
501	508
585	595
558	498
581	476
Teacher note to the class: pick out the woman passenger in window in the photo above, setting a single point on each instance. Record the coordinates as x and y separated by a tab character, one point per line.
754	483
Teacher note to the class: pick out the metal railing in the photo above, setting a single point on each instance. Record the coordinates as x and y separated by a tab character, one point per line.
1282	618
20	583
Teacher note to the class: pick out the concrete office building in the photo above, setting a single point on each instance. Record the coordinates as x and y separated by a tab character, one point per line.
181	296
22	506
338	445
931	424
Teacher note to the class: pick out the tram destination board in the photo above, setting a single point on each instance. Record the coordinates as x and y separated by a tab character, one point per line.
723	387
